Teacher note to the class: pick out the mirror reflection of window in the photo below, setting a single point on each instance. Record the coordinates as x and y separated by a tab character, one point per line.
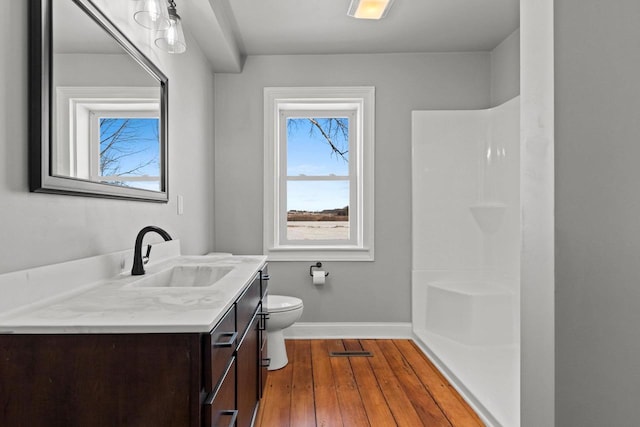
128	152
105	108
109	135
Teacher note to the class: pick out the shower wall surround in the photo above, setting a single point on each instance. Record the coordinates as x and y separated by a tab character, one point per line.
466	246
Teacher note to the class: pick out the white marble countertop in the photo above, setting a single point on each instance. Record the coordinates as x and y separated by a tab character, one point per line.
116	306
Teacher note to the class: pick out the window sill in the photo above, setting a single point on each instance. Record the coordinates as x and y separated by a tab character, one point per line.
298	253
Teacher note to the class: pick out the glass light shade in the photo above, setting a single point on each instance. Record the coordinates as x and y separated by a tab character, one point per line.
369	9
172	39
152	14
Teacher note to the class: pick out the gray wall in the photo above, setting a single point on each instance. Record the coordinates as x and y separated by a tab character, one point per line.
356	291
39	229
86	69
597	212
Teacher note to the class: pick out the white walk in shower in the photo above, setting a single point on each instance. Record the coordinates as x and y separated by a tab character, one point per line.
466	251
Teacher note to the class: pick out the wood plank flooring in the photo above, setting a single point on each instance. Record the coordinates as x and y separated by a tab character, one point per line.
397	386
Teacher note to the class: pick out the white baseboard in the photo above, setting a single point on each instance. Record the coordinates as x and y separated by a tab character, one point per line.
364	330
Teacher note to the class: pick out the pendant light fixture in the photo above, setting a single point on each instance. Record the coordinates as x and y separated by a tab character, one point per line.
369	9
172	39
152	14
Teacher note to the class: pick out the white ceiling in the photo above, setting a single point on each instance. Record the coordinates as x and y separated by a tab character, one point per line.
265	27
75	32
229	30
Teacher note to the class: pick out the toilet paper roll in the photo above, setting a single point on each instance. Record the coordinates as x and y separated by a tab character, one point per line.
318	277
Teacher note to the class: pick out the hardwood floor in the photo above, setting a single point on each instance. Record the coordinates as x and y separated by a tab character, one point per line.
397	386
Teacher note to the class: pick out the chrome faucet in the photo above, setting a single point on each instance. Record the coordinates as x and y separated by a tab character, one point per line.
138	262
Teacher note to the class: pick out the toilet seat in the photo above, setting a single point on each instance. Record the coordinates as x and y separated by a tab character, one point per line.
281	303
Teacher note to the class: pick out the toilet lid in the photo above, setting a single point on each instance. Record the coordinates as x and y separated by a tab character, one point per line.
279	303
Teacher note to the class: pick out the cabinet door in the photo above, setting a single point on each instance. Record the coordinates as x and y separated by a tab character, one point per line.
247	385
264	359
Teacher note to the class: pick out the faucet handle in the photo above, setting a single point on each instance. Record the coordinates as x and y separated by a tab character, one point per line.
145	259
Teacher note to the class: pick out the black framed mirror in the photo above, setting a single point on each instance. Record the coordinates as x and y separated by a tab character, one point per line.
98	107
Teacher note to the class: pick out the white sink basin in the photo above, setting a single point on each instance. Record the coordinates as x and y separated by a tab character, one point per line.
183	276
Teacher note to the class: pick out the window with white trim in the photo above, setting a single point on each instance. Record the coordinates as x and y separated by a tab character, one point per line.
109	134
319	154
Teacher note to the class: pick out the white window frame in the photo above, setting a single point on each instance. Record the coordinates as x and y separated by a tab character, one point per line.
359	104
73	130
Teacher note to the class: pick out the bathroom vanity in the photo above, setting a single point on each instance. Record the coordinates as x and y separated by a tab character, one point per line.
140	351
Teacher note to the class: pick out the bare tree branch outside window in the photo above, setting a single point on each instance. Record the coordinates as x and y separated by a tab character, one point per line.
123	144
334	131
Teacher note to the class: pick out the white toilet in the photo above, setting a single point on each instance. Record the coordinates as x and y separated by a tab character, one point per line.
283	312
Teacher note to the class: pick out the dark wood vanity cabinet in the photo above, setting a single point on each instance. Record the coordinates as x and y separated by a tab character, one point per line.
155	380
100	380
234	363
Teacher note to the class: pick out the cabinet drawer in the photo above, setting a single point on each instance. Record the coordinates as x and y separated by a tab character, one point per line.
220	407
247	305
264	281
219	346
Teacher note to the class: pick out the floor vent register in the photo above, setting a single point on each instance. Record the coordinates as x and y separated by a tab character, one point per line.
350	354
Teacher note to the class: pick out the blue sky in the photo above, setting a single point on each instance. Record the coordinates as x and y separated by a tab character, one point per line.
144	131
309	154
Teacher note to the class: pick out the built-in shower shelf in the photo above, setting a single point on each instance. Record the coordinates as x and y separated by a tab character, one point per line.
488	215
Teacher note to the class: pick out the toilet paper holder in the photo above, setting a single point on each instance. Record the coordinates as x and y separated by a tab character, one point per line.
316	265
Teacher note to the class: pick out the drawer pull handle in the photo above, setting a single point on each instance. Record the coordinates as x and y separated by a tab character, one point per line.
234	415
262	326
266	277
264	363
229	343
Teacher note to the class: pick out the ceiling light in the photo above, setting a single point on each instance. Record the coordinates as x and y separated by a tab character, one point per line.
172	39
369	9
152	14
